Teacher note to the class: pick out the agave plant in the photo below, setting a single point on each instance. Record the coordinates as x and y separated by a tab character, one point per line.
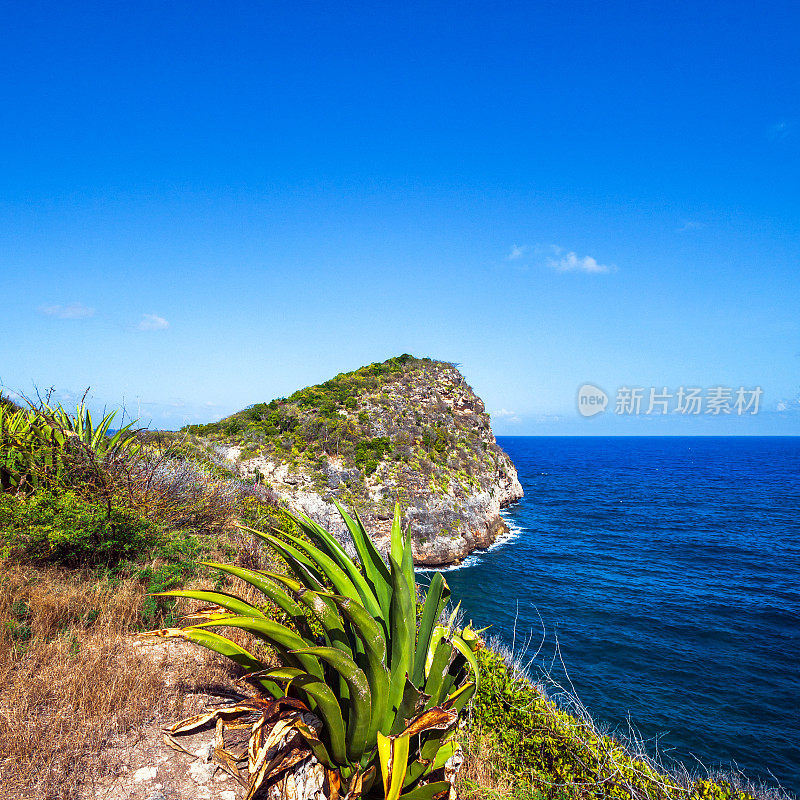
94	436
30	447
374	688
33	443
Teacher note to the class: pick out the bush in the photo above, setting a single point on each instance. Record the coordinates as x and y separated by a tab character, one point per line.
393	713
369	452
64	528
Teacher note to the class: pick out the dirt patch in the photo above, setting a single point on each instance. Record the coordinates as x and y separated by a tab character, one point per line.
83	701
141	766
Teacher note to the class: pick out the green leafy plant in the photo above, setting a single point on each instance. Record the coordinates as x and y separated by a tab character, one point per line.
385	684
30	447
36	443
93	435
62	527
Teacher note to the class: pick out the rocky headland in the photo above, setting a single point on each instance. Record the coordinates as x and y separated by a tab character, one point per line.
408	430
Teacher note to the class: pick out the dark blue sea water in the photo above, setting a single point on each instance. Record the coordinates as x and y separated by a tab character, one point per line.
669	569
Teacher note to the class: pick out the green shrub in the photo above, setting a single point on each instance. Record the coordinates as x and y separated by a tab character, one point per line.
369	452
64	528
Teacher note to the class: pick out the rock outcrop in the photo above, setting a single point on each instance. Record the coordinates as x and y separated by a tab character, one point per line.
408	430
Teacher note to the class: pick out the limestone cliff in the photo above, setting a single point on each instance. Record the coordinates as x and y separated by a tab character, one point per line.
407	429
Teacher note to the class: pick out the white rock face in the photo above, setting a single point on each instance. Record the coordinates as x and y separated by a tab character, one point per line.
145	774
202	772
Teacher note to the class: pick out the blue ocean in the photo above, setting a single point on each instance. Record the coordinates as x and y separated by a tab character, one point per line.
668	570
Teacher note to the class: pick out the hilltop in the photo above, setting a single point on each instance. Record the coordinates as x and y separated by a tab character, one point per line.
407	429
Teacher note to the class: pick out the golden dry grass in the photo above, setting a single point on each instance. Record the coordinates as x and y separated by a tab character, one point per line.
482	776
71	679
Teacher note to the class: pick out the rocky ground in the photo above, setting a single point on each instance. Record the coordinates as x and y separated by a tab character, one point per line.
145	767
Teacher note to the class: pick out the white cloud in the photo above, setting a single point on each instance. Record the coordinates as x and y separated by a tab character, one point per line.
505	415
152	322
690	225
572	262
69	311
517	252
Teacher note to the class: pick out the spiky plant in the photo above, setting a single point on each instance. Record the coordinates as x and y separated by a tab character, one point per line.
35	443
94	435
386	684
30	449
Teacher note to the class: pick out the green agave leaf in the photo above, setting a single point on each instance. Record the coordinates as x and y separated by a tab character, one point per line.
439	632
393	754
453	615
407	564
360	696
427	792
372	637
329	619
375	569
397	539
304	568
427	756
273	592
411	705
445	753
279	636
435	600
434	685
403	633
327	707
460	697
340	580
223	599
338	554
466	651
322	610
316	745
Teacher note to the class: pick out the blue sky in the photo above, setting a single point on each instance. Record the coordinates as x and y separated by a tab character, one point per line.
203	206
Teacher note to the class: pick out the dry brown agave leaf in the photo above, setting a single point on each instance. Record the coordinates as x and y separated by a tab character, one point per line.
224	759
285	753
436	718
260	744
269	770
208	613
170	742
228	713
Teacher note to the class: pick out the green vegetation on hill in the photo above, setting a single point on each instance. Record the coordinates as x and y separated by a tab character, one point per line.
414	421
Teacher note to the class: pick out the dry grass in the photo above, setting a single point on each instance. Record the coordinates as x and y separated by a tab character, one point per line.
72	679
482	776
